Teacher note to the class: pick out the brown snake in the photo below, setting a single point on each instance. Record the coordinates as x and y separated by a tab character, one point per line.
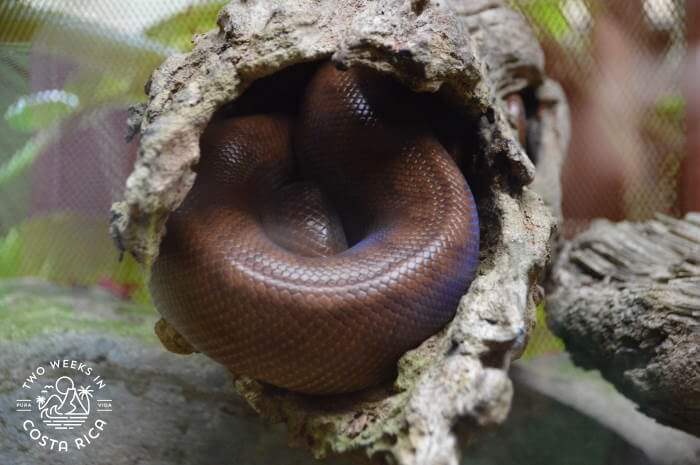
315	249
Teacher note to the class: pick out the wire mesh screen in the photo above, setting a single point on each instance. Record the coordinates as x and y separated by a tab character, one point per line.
68	72
69	69
620	63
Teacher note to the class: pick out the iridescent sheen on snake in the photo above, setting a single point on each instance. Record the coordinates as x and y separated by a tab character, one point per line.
315	248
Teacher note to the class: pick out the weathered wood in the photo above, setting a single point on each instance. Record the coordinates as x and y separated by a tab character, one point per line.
626	300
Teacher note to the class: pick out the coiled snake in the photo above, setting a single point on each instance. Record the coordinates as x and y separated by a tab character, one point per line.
315	248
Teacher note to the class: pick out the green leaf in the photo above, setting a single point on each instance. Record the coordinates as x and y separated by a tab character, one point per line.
11	247
542	340
547	15
96	90
177	30
19	21
70	249
41	110
671	108
14	77
21	160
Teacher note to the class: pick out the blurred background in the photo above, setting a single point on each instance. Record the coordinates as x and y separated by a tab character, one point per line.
69	69
622	66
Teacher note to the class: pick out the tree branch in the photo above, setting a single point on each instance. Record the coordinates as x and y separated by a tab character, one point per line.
626	300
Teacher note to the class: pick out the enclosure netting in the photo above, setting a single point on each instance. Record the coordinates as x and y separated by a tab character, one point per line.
70	69
620	63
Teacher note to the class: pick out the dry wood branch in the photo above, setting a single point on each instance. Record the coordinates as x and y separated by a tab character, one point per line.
626	300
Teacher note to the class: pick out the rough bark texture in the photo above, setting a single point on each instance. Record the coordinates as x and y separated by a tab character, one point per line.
470	56
626	300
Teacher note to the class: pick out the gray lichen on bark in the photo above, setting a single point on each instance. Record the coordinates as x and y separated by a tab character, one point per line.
429	46
626	300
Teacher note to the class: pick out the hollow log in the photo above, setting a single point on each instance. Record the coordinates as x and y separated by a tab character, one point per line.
471	54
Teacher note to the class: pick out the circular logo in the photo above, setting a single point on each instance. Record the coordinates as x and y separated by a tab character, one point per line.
64	405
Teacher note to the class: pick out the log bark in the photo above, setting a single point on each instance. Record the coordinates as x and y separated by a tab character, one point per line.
625	298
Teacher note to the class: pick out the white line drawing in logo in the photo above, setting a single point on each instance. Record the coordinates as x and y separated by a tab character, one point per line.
62	411
68	407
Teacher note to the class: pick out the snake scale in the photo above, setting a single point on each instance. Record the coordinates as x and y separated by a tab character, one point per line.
315	248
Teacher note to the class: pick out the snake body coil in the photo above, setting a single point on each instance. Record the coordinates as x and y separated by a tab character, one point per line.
315	249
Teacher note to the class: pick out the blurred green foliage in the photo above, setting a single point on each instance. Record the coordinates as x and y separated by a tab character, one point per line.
40	110
551	19
547	15
18	21
110	69
23	158
177	30
542	340
672	109
106	74
13	82
69	249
